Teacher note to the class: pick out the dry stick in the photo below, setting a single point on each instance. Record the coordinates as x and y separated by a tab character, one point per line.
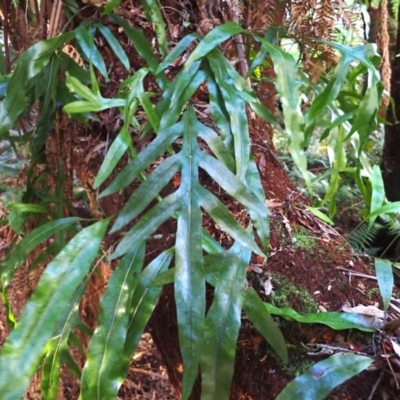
378	381
54	19
243	65
5	246
6	31
4	228
390	366
149	373
42	19
36	11
359	274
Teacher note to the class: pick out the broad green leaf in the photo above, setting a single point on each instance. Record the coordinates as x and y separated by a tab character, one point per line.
259	109
155	16
189	279
30	64
149	223
136	88
384	275
102	375
107	103
86	42
324	376
153	118
123	141
83	106
51	369
110	6
253	180
16	221
337	156
222	326
210	245
260	317
144	47
29	243
57	349
93	102
236	110
134	83
335	320
243	90
216	145
114	154
178	93
261	223
51	78
23	349
4	81
288	85
320	215
94	81
213	39
363	54
331	90
147	191
24	208
386	209
238	191
157	147
74	85
365	118
115	45
225	220
182	46
219	113
212	263
257	60
144	300
378	192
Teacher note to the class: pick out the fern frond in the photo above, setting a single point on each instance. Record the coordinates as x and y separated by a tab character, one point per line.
375	240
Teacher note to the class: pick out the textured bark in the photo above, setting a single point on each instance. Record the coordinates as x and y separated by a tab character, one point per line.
390	156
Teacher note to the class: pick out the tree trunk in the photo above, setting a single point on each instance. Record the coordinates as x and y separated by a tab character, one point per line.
390	157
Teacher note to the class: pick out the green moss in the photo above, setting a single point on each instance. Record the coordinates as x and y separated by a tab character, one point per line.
372	294
298	362
301	238
287	294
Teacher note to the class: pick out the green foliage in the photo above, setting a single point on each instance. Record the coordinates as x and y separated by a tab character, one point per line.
219	343
23	349
207	340
364	237
335	320
103	374
388	229
384	275
324	376
30	65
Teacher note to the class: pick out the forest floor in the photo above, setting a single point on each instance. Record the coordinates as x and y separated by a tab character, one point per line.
148	379
302	251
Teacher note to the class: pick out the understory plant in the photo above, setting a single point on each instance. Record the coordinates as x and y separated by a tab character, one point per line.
182	143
